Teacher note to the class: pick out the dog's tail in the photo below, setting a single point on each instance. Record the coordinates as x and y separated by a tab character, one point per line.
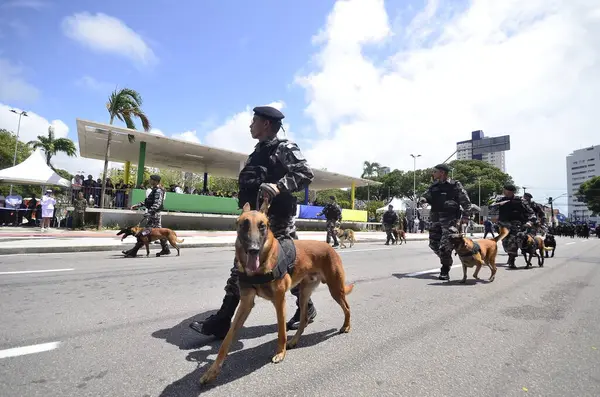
348	288
180	241
503	233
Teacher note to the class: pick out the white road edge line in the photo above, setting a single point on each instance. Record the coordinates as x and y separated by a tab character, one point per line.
362	250
23	350
574	242
36	271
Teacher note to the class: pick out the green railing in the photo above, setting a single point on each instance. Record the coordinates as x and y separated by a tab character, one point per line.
193	203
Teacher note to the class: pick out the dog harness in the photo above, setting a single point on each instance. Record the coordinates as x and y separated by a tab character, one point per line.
285	265
474	251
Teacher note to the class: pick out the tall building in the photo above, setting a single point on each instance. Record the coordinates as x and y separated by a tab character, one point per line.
464	151
582	164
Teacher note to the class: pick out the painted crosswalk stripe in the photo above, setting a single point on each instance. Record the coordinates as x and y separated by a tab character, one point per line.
23	350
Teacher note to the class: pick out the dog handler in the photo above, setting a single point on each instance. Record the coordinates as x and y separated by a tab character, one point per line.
513	214
333	215
446	197
277	168
154	205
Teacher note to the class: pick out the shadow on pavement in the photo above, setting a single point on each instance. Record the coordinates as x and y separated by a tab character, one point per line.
238	364
427	276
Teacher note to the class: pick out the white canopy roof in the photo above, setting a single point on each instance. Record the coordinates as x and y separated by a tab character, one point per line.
33	171
399	205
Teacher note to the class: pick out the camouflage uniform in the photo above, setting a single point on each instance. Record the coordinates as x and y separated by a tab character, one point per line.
152	219
333	215
79	213
513	214
389	219
446	200
275	161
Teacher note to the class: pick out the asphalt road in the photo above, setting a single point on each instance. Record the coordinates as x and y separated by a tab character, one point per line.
119	327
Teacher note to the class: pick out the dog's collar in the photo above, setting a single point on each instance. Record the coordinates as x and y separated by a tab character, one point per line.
278	272
474	251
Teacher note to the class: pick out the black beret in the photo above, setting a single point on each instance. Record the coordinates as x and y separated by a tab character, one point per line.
442	167
269	113
155	178
528	195
510	188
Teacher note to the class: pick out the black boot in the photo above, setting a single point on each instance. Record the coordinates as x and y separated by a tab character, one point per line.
165	248
132	253
511	262
294	322
218	324
335	241
445	273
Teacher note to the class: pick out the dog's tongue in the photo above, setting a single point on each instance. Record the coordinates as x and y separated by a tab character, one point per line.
252	262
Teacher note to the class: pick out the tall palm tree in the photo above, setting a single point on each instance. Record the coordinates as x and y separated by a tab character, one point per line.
52	146
124	104
370	169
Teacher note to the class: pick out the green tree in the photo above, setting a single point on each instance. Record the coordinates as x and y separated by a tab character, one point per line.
471	172
51	146
370	169
220	184
124	104
117	174
589	193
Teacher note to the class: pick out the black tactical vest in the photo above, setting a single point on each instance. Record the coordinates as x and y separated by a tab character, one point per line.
264	167
444	199
149	201
512	211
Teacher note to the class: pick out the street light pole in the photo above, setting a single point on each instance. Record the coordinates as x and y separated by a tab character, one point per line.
22	113
479	216
415	185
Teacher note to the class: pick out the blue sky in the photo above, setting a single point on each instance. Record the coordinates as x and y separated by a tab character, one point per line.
214	58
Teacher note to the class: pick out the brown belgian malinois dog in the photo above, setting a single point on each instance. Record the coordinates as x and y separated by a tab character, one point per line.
155	234
256	254
476	253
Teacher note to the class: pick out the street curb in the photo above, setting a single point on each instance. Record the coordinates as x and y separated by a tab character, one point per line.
100	248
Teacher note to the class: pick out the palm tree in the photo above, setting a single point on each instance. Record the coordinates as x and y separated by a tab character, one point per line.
370	169
52	146
124	104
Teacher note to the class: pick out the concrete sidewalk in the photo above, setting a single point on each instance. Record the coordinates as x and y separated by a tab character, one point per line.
32	241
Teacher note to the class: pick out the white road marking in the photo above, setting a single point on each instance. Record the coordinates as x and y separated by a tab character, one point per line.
574	242
363	250
23	350
36	271
436	270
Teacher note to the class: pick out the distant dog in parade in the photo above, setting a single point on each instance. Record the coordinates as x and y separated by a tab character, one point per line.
531	246
345	235
549	244
147	236
399	235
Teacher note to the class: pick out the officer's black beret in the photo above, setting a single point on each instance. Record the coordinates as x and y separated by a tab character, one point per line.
528	195
442	167
155	178
510	188
269	113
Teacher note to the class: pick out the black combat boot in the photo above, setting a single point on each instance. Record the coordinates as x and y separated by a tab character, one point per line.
444	273
218	324
294	322
335	241
511	262
132	253
165	248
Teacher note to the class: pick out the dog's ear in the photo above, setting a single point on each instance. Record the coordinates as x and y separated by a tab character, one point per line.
264	207
246	207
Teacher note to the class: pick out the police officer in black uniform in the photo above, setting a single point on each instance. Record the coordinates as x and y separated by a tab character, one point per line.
333	215
276	168
389	219
154	205
449	203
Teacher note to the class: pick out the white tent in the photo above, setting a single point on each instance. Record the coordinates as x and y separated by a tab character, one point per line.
399	205
33	171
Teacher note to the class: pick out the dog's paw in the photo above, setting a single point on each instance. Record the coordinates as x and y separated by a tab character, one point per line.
492	279
345	329
278	358
463	281
292	343
209	376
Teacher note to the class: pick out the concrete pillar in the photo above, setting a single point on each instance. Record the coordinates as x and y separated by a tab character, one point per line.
127	167
205	182
306	193
352	193
141	164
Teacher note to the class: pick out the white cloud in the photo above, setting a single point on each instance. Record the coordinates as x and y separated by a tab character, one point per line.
34	125
189	136
13	86
156	131
234	134
91	83
103	33
528	69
